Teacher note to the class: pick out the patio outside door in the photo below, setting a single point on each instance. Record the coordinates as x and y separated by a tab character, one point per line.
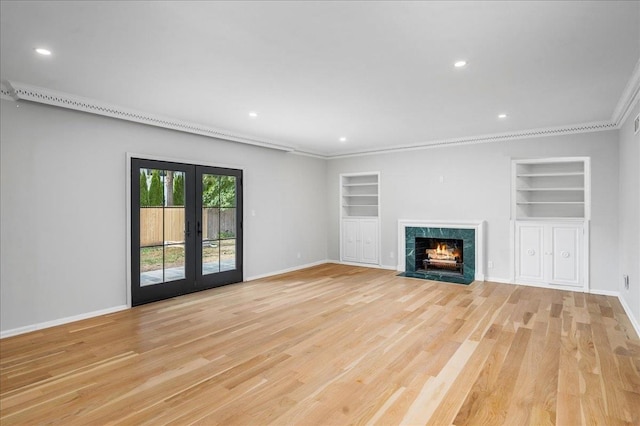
186	229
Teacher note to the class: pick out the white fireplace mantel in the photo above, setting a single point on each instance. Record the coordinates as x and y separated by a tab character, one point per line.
478	225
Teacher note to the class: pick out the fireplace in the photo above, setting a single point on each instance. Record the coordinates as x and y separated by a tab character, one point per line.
444	255
441	250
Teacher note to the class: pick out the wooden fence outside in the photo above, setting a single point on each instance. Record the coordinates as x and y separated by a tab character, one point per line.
215	221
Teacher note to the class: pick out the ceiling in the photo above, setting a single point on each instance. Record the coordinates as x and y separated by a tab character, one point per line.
380	74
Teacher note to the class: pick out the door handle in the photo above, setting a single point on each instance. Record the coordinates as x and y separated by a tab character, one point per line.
187	230
199	230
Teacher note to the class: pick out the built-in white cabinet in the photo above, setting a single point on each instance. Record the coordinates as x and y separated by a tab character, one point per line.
360	240
552	253
550	209
360	217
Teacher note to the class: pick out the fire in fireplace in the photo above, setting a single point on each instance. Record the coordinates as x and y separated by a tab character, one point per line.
441	255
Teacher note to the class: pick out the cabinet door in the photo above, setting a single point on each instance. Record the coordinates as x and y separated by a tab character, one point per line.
530	243
369	240
565	254
350	240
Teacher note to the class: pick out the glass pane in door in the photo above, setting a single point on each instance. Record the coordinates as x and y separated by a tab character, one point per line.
174	226
174	257
227	255
218	223
151	269
162	226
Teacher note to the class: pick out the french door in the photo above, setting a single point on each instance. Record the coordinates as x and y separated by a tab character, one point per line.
186	228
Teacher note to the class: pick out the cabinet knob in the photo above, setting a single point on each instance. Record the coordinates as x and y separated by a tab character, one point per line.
531	252
565	254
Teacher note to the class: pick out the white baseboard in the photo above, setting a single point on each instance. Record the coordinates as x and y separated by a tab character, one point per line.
552	287
388	267
284	271
364	265
498	280
604	292
627	309
53	323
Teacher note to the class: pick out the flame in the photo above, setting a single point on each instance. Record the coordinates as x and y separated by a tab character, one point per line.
443	252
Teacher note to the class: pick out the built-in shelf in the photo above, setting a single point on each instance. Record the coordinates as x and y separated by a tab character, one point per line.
359	194
551	174
361	184
551	188
360	217
550	202
550	208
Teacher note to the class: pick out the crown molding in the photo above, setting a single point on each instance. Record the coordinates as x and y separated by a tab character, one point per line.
20	91
630	96
497	137
5	93
309	154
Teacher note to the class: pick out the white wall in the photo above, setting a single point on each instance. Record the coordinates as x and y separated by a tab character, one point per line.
630	214
476	186
62	203
63	212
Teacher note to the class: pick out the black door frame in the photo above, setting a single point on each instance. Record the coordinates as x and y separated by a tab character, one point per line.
194	280
203	282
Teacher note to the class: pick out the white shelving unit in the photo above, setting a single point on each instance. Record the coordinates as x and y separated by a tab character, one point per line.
551	188
360	217
550	209
360	195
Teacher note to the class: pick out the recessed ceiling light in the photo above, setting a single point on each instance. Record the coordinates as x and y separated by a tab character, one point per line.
502	116
43	51
460	64
343	139
253	114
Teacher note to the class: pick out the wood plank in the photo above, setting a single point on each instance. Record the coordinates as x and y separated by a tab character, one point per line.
334	344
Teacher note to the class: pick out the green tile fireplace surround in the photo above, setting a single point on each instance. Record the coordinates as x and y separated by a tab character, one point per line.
470	233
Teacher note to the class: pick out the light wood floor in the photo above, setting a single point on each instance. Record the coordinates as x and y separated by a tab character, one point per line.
334	345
